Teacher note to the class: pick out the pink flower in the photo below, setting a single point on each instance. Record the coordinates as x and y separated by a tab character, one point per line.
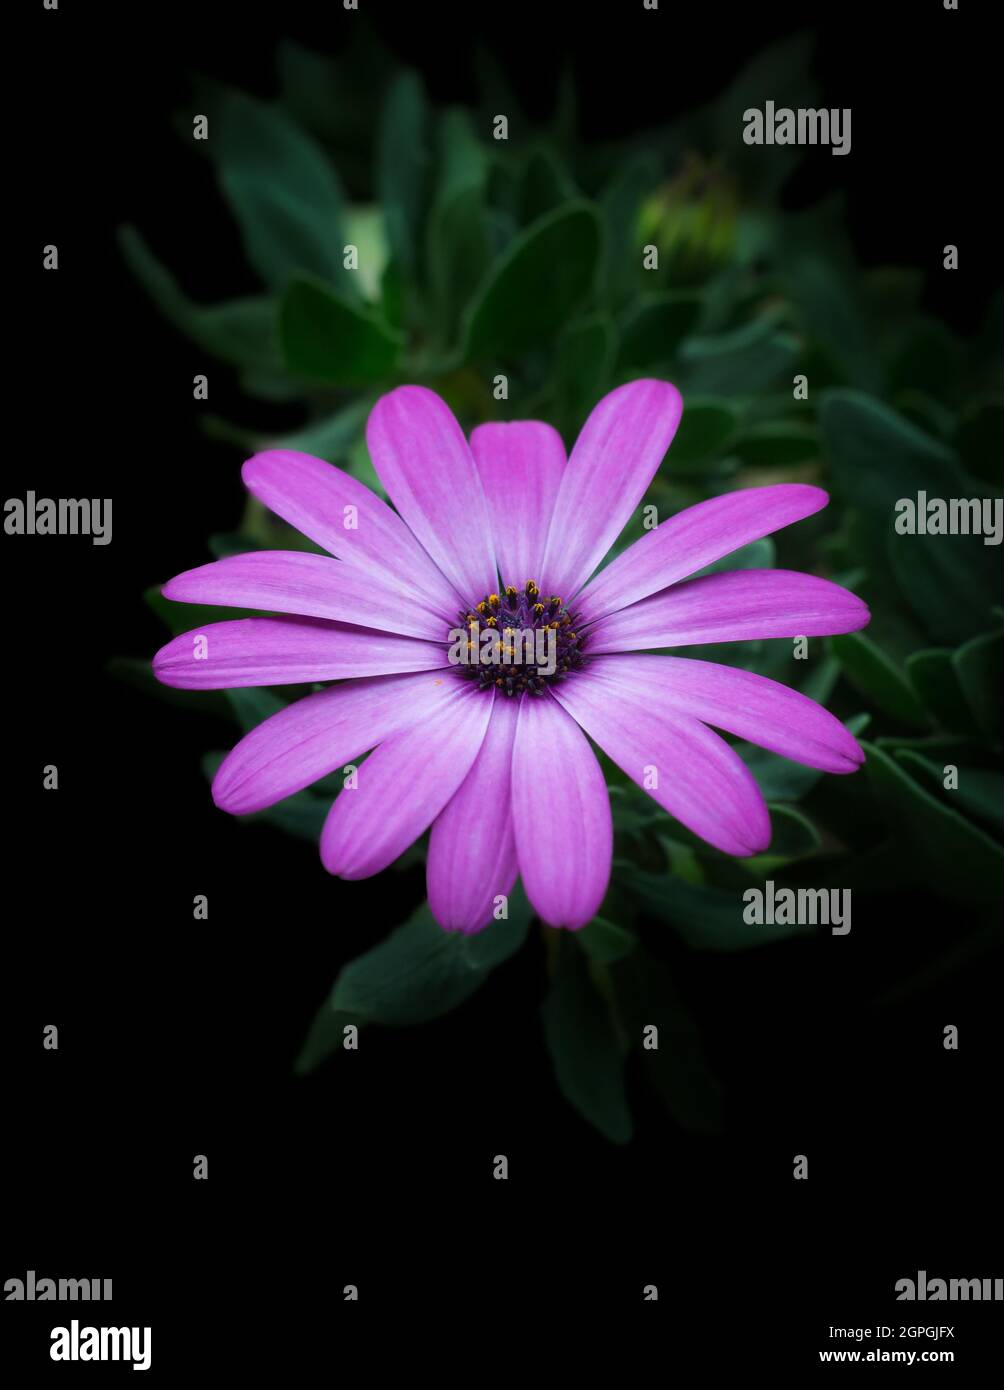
499	762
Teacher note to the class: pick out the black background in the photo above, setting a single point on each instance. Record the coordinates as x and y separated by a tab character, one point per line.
177	1037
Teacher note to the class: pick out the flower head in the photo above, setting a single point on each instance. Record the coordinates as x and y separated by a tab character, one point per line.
501	537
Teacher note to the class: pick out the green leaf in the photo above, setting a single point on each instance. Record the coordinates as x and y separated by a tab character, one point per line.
583	361
458	244
631	809
604	941
325	1037
878	459
948	582
869	670
778	444
620	201
936	681
326	339
402	166
707	918
242	332
705	431
502	230
678	1068
278	238
779	72
543	277
793	837
421	972
584	1046
253	705
337	99
496	93
951	853
284	193
924	412
270	383
820	680
655	327
744	362
544	185
463	159
980	790
826	295
930	360
301	815
332	437
979	666
978	439
394	304
950	747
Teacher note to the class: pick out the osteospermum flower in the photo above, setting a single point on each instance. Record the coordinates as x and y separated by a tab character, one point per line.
504	531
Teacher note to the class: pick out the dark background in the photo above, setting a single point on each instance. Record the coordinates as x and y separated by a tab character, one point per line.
177	1037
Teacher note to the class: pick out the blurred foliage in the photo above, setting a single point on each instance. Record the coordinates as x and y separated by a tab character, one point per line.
525	257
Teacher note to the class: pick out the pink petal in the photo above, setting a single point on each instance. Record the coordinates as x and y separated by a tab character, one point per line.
561	815
698	778
312	737
733	607
404	785
314	497
693	538
614	460
291	581
283	651
422	458
747	705
472	850
521	465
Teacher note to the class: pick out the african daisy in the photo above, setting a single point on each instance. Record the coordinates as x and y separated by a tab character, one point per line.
504	532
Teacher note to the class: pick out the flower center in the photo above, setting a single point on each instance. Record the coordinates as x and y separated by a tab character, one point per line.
516	641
